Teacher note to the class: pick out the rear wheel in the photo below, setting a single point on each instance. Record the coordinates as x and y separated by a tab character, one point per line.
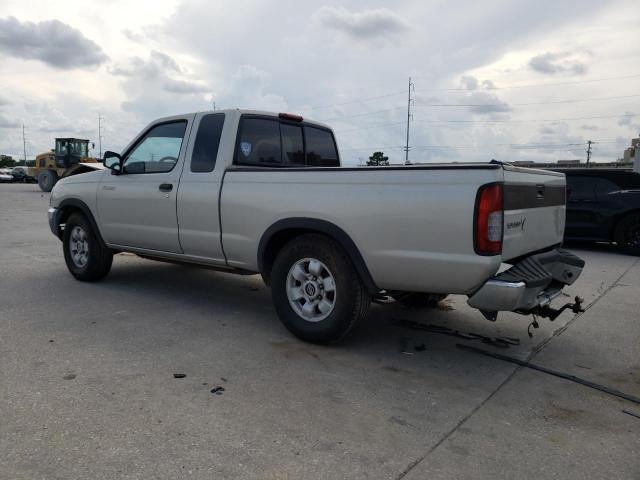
316	290
627	234
86	258
416	300
47	179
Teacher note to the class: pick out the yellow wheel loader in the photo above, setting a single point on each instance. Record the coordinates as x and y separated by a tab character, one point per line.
70	157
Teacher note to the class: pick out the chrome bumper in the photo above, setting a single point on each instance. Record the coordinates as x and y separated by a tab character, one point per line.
531	283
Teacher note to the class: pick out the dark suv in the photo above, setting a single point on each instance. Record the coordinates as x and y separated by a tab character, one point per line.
604	205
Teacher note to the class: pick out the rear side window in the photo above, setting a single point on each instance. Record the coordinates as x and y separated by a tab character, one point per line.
270	143
205	149
321	148
292	144
259	142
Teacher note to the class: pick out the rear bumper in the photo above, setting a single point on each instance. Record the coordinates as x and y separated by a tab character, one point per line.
529	284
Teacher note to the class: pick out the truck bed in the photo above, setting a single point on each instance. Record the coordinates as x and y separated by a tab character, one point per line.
413	224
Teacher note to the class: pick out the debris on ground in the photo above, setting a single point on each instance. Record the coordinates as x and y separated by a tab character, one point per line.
69	376
217	390
179	375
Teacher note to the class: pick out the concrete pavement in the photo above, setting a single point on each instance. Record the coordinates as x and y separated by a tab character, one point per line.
87	387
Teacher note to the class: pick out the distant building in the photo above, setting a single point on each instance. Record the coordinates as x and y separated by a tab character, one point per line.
621	164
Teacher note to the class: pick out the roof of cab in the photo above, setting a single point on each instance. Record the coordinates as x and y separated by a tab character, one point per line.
242	111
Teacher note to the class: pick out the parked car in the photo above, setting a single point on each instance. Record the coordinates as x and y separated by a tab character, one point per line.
253	192
5	175
604	206
21	174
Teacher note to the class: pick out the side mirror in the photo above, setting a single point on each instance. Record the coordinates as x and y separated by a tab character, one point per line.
113	161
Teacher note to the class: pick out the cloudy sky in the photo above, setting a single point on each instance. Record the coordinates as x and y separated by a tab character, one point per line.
511	80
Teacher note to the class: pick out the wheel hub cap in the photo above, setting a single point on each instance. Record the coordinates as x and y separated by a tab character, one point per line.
79	246
311	289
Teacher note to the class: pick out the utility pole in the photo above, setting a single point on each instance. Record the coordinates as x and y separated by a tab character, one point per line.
589	152
24	146
409	100
214	104
100	135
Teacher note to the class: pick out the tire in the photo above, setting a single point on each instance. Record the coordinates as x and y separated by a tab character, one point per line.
417	301
47	179
86	258
627	234
348	301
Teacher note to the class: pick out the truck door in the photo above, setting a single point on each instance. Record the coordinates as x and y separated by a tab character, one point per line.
138	207
199	190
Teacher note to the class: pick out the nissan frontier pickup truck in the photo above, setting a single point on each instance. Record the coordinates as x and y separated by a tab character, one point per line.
254	192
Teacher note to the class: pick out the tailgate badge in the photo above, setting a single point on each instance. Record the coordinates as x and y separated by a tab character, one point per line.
517	224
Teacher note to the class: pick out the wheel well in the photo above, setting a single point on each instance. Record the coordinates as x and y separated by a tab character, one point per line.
279	234
63	216
620	219
71	206
275	244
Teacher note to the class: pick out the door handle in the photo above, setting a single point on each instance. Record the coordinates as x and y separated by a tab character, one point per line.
165	187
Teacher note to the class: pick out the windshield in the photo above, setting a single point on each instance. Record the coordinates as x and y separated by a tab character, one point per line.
74	147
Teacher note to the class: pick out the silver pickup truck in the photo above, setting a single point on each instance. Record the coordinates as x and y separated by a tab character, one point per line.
254	192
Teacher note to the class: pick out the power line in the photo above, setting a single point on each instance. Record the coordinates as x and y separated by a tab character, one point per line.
528	145
358	100
390	124
575	100
530	85
506	87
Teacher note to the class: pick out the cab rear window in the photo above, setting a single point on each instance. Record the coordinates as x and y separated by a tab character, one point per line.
269	142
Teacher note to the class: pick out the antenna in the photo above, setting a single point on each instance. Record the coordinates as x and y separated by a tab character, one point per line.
409	117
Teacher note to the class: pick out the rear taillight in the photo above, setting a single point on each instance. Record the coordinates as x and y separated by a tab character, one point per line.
488	220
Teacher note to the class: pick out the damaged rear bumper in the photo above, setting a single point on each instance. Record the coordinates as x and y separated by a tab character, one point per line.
529	285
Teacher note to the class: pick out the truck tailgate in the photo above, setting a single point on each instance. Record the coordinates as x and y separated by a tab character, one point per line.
534	210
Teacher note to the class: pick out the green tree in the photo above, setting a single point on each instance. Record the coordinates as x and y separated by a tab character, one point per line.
377	159
7	161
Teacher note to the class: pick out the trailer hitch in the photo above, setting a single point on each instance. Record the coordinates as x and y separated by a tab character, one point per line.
553	313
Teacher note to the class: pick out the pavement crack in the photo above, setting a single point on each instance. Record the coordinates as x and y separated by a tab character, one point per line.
529	357
417	462
562	329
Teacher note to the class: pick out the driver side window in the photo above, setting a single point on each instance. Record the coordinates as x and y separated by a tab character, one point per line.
158	151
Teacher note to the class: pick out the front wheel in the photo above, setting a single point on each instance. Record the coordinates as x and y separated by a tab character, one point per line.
627	234
316	290
86	258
